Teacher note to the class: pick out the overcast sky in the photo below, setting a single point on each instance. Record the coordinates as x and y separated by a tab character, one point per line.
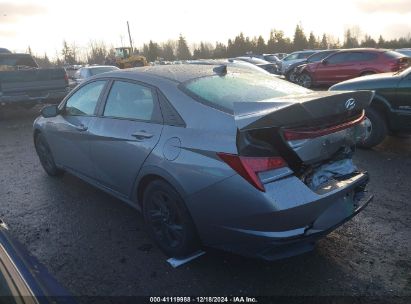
43	24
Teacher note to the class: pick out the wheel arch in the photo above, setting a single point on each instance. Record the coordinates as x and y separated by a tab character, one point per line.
381	104
147	175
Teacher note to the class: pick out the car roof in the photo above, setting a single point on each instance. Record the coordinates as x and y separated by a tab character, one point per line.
99	66
177	73
364	50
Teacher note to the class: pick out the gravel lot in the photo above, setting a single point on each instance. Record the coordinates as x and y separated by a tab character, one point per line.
96	245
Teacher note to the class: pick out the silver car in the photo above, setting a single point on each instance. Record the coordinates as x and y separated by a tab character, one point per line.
213	155
89	71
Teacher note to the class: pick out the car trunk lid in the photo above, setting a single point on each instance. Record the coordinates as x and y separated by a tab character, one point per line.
304	129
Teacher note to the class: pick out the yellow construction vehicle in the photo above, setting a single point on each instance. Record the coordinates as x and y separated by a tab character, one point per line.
125	58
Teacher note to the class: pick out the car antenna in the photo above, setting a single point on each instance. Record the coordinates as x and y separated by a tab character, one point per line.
221	70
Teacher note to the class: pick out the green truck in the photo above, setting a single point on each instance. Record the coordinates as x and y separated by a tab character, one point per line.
23	83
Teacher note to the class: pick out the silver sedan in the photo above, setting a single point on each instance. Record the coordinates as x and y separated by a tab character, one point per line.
213	155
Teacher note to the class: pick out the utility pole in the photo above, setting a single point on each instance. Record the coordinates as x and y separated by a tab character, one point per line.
129	37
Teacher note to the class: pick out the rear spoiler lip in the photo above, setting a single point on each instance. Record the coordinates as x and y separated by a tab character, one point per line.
287	110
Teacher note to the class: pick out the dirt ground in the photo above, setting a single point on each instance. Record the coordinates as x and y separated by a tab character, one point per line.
96	245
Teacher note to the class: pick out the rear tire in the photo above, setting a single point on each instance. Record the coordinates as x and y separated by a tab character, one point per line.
168	220
377	128
305	80
45	156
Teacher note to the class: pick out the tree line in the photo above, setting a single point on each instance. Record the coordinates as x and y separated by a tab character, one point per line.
100	52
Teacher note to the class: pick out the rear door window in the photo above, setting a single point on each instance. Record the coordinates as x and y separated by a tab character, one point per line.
361	56
129	100
84	101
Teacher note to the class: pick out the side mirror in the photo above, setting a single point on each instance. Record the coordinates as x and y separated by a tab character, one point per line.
50	111
324	62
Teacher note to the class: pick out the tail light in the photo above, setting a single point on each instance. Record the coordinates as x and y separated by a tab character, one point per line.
66	78
249	167
398	64
295	134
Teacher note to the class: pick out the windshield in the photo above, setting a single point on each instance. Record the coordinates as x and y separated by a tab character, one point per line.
221	92
95	71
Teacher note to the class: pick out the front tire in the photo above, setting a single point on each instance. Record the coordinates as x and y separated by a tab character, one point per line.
45	156
376	128
305	80
168	220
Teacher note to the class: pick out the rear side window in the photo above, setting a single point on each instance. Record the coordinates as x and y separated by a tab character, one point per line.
361	56
84	100
131	101
221	92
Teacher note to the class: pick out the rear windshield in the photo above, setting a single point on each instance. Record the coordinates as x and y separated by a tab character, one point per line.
221	92
95	71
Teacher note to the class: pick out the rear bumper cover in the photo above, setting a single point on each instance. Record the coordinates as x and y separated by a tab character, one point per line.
283	222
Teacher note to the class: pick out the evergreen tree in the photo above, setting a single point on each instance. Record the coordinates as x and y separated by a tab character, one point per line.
312	42
220	50
183	52
260	47
368	42
381	42
324	42
153	51
350	41
67	53
168	51
300	41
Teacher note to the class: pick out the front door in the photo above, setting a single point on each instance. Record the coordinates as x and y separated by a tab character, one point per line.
69	135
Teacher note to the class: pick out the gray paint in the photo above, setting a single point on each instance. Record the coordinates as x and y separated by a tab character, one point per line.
228	212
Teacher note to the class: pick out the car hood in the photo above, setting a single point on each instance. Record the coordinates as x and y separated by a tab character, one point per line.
371	82
298	109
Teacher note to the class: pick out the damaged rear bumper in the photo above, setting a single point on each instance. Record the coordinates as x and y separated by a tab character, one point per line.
289	219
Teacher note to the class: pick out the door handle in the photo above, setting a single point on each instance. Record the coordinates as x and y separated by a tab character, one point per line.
81	128
141	135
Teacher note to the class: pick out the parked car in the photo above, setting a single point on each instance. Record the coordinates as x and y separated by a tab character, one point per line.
23	279
406	52
390	109
261	63
23	83
238	64
351	63
213	155
4	51
293	69
273	59
280	55
89	71
292	58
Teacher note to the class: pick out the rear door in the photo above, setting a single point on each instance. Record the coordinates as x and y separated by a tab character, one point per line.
69	134
126	131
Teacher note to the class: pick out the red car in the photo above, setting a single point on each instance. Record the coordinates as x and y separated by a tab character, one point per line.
347	64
